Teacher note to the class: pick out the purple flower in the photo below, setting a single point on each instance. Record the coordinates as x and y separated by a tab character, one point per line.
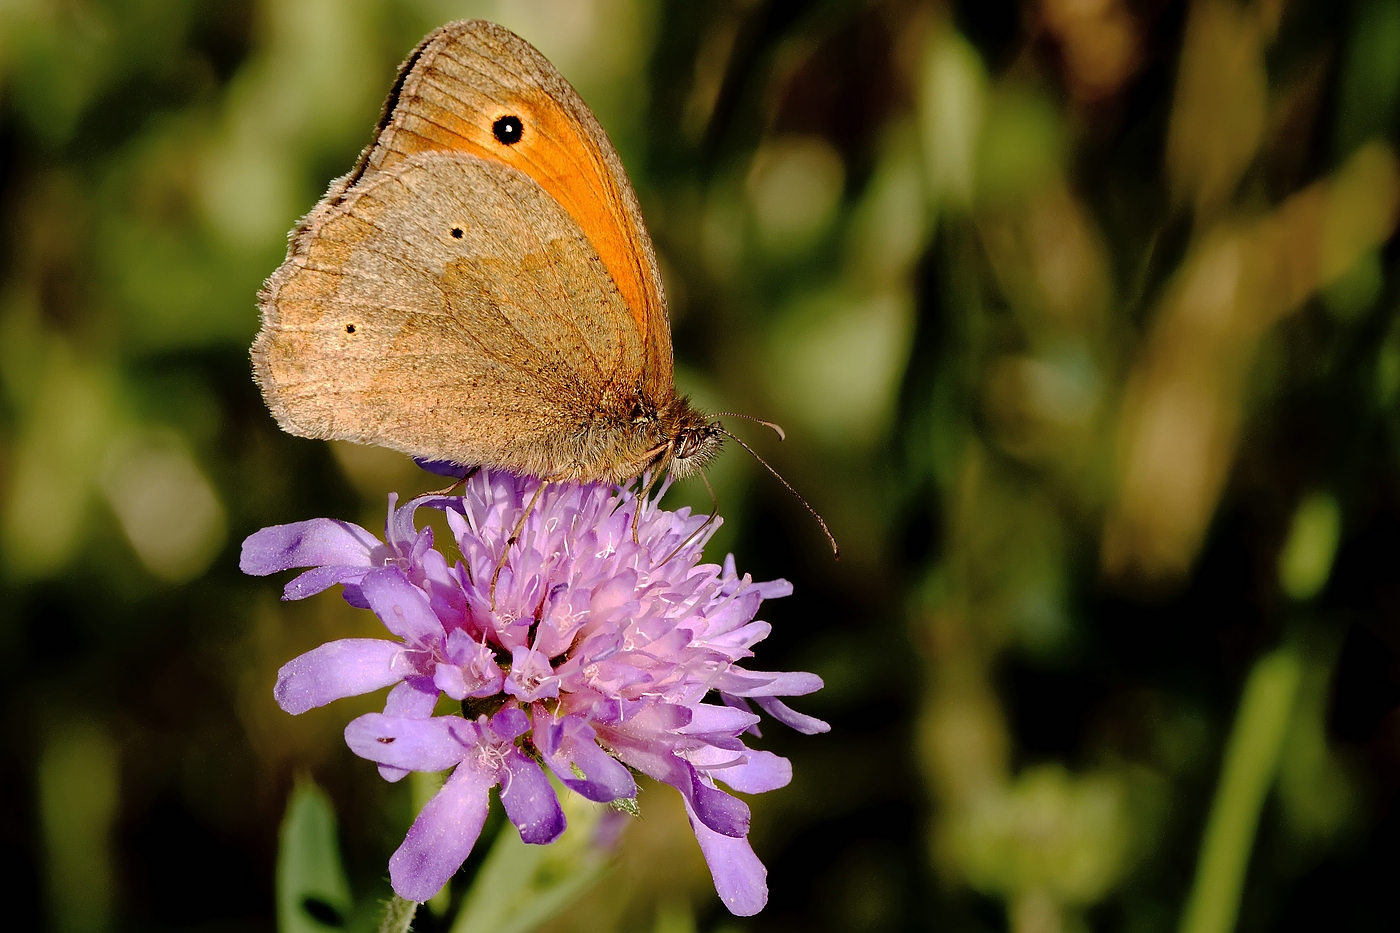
592	656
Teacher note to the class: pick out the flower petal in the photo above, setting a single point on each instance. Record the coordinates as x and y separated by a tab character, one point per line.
510	723
807	725
740	878
318	579
529	799
716	809
778	684
569	744
714	720
448	678
443	835
411	744
401	606
756	772
320	542
344	668
415	698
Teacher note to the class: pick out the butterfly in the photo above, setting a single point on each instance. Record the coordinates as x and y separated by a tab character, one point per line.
480	288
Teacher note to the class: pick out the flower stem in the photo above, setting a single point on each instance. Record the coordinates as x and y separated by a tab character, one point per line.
398	916
1251	760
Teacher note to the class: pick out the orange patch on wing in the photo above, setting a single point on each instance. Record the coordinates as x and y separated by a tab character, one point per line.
565	163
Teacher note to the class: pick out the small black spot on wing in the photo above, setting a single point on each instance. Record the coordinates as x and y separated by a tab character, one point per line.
508	129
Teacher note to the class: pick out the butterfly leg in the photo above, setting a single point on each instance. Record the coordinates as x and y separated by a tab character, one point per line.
510	542
641	501
657	455
461	482
714	513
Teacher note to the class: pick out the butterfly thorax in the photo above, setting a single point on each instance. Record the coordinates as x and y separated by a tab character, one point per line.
638	437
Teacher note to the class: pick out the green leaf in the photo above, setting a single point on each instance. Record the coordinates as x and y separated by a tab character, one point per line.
521	886
312	893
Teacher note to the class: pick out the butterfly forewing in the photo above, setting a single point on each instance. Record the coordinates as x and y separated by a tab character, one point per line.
466	77
480	288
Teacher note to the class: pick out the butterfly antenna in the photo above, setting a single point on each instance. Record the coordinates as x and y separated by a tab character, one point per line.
777	428
714	513
831	539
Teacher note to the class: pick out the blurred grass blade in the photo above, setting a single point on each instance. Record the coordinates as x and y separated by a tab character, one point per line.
312	893
1251	760
521	886
79	785
1305	562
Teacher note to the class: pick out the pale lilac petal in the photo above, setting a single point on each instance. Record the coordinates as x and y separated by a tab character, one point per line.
337	669
605	778
320	542
790	684
740	878
401	606
774	589
448	678
718	720
567	745
481	675
411	744
529	800
510	723
715	808
742	638
415	698
319	579
718	810
443	835
757	772
807	725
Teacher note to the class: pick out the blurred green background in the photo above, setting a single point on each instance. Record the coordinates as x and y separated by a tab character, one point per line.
1082	319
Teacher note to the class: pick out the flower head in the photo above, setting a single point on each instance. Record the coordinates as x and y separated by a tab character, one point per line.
583	651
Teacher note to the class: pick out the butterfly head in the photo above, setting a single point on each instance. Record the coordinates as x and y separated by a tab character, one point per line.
695	440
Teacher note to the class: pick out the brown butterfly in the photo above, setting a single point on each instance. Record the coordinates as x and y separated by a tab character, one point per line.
480	288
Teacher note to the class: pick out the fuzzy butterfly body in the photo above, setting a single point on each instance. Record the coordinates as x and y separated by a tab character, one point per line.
480	288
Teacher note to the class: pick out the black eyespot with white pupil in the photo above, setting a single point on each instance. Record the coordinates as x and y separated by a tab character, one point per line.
349	328
508	130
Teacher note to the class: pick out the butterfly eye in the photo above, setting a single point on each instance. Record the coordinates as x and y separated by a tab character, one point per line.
508	130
